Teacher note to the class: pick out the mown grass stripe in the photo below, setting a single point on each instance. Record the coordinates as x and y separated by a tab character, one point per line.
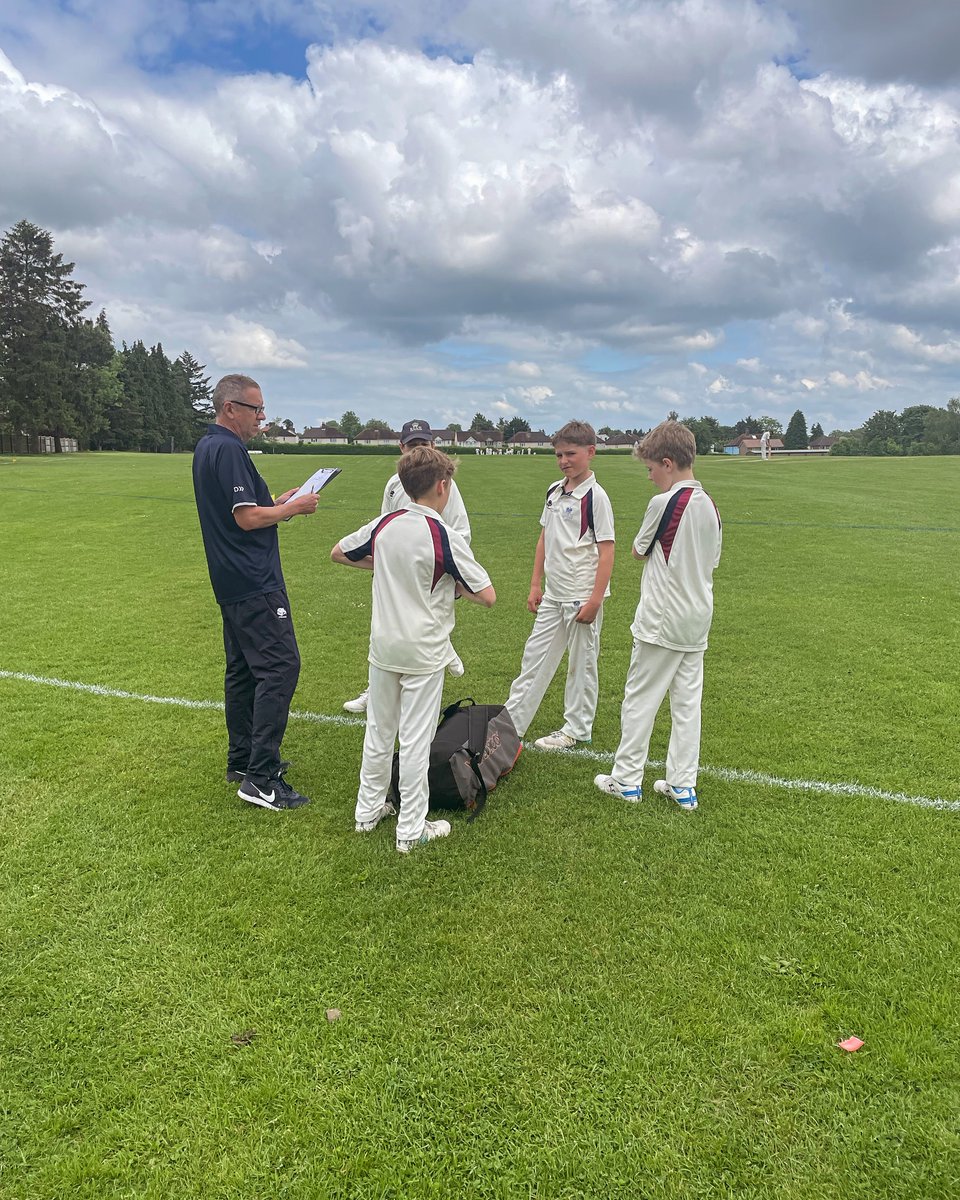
727	774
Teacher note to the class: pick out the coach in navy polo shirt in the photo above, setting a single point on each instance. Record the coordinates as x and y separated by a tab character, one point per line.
238	520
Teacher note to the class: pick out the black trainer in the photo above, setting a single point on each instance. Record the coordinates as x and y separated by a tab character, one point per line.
239	776
276	794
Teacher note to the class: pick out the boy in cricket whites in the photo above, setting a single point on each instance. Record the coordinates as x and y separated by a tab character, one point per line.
679	541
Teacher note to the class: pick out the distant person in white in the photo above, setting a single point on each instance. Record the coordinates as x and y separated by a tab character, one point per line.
414	434
419	565
765	445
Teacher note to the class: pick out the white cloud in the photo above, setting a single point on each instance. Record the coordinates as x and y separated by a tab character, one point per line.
605	176
245	345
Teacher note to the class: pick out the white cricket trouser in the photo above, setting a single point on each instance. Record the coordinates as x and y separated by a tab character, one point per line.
405	707
555	630
654	671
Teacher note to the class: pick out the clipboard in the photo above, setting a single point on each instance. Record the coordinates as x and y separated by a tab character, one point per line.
317	481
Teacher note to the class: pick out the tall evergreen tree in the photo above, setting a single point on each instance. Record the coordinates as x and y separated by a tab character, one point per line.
92	385
39	303
796	436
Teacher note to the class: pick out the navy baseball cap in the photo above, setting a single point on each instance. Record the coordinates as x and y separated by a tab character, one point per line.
416	431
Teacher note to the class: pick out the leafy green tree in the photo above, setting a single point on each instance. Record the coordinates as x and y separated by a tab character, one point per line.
481	422
913	424
707	432
455	426
772	426
816	430
883	425
350	424
376	423
39	303
515	425
747	425
942	429
796	436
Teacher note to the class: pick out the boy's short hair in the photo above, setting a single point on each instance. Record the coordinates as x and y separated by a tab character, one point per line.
575	433
421	468
669	439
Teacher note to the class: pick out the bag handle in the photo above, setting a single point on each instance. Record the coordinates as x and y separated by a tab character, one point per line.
446	713
476	744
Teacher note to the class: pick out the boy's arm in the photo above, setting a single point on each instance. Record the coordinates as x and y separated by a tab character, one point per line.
588	611
338	556
536	580
487	597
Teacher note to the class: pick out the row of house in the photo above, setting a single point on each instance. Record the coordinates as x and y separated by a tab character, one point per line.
473	439
747	443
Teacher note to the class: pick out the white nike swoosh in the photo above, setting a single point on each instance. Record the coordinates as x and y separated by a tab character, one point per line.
263	796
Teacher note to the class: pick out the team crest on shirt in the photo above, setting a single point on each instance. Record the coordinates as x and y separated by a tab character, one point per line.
281	613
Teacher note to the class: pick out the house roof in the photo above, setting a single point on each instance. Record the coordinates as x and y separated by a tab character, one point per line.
323	431
526	436
483	435
377	435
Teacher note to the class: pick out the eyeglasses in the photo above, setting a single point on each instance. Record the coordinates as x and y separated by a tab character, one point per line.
257	408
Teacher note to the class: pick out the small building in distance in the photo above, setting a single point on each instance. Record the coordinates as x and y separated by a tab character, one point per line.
483	439
277	434
618	441
376	437
823	443
530	440
746	443
323	435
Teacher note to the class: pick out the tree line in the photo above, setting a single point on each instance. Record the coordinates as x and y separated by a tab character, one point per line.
917	430
62	376
350	425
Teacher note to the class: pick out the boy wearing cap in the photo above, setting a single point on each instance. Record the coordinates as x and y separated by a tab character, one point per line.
419	565
414	434
680	541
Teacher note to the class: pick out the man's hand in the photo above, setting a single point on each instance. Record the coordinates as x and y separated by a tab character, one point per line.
588	612
535	598
302	505
285	497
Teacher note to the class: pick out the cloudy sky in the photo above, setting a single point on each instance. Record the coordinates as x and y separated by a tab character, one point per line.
595	208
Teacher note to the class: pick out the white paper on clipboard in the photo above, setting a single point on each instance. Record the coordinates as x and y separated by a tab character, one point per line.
319	479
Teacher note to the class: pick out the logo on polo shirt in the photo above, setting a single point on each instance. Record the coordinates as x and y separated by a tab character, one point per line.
238	489
281	613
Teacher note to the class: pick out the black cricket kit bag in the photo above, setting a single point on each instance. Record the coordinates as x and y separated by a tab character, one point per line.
474	747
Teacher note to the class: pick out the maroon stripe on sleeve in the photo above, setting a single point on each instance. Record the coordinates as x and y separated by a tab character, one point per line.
668	535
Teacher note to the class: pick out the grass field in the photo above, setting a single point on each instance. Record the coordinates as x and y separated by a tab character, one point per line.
571	997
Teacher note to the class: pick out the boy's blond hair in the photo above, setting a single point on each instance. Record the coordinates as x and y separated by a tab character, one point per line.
421	468
669	439
575	433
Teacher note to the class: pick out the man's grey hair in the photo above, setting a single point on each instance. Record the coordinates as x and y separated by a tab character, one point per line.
232	387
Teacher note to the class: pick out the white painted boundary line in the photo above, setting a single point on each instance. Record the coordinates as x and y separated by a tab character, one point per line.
95	689
727	774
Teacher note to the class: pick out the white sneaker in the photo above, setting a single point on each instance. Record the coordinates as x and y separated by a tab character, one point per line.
359	705
455	666
558	740
613	787
387	810
431	830
686	797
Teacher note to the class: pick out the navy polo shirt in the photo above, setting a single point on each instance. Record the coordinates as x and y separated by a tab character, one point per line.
242	563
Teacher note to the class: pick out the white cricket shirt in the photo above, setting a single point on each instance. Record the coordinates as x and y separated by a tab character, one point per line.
417	560
676	588
573	523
